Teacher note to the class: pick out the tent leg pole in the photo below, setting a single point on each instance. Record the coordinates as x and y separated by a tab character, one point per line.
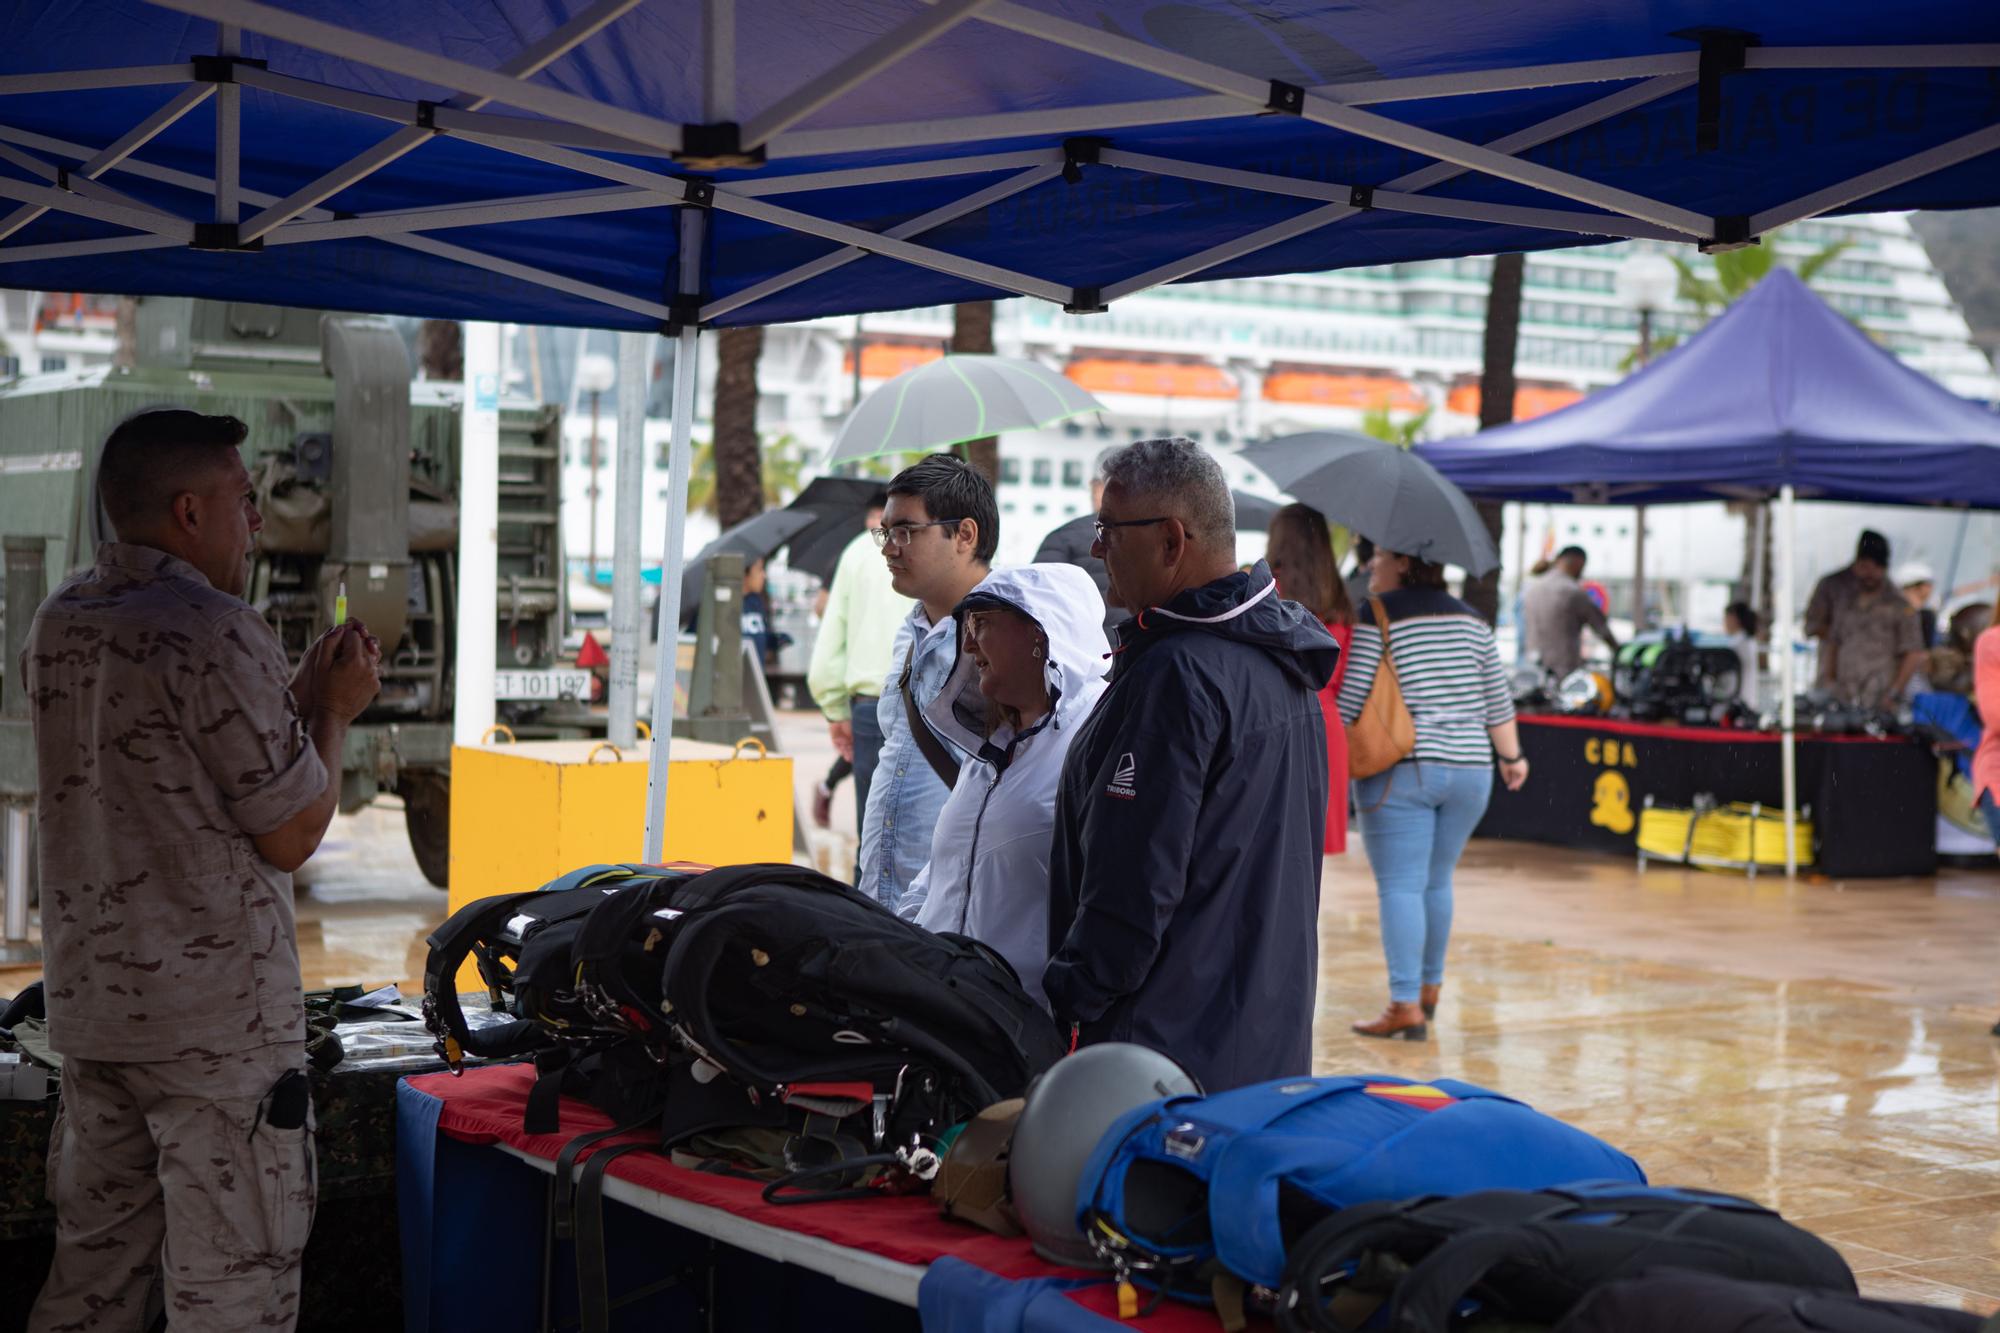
1787	669
1639	569
679	460
1944	591
1760	518
627	527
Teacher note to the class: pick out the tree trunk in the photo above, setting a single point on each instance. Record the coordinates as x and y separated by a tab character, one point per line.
125	354
1748	579
1496	404
739	459
972	334
441	349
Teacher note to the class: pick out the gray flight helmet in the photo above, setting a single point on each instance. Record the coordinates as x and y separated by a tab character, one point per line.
1068	1110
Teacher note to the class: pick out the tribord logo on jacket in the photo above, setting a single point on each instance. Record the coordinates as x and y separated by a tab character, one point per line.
1124	782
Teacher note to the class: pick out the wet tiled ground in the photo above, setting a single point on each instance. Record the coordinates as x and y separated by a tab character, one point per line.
1868	1111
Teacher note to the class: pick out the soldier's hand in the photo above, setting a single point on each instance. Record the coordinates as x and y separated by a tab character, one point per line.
350	674
312	665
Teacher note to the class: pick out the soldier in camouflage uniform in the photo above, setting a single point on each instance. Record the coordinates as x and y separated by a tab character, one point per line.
183	777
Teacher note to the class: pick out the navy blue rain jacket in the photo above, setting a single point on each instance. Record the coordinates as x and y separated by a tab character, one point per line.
1184	879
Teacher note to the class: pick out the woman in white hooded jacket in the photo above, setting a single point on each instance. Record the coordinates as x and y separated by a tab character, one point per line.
1031	664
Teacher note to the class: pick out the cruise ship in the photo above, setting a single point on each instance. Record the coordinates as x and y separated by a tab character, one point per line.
1227	361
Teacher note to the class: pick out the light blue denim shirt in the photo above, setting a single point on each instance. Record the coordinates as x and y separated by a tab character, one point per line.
906	797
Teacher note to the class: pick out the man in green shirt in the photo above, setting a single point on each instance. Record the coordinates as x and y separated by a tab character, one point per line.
850	659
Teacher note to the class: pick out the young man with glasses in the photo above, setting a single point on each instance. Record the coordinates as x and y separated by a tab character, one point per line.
937	537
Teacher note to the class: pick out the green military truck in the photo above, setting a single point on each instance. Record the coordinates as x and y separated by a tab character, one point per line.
357	471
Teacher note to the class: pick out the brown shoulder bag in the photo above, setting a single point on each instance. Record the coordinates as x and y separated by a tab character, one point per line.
1385	733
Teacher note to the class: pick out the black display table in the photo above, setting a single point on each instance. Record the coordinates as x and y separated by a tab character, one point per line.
1873	802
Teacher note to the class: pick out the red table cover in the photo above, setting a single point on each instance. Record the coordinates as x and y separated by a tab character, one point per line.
484	1106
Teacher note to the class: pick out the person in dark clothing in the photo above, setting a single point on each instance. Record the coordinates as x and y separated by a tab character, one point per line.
1357	578
1184	876
1073	543
757	628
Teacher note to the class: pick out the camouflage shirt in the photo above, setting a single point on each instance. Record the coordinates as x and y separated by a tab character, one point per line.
167	738
1872	633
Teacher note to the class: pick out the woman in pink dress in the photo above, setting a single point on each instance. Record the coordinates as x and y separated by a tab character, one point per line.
1300	553
1986	760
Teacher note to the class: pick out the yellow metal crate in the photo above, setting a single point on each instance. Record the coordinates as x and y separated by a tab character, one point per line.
523	814
1738	836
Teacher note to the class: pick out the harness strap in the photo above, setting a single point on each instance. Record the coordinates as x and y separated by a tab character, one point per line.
932	748
593	1284
543	1112
562	1208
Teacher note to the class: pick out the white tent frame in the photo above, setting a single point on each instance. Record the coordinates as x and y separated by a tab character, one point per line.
566	130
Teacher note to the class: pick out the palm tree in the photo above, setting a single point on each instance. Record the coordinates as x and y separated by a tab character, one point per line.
738	464
1496	404
972	335
441	349
1378	422
782	464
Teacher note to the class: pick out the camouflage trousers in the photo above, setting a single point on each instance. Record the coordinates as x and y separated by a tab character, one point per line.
170	1180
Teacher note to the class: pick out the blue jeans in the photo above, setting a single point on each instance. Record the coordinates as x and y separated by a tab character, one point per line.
1415	820
1992	813
867	753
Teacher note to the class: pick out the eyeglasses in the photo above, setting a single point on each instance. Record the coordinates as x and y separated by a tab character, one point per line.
904	533
1103	525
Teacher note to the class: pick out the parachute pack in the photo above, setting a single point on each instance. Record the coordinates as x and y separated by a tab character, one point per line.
1181	1184
1532	1256
741	997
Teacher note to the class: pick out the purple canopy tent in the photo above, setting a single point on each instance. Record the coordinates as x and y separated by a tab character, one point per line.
1779	391
1779	397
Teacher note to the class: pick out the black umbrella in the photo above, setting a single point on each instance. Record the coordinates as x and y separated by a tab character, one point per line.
1254	512
839	506
755	538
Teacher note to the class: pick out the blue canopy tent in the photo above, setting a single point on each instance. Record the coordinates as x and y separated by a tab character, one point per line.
1779	397
677	164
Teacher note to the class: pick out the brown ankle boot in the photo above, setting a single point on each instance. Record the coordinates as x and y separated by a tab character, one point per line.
1429	1003
1398	1020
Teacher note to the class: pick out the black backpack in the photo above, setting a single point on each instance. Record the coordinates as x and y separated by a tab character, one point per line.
525	946
1532	1255
754	996
1676	1300
803	991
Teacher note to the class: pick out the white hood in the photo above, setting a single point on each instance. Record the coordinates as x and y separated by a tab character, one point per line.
1064	602
988	875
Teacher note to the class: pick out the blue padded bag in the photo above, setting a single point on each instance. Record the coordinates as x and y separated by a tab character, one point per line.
1180	1182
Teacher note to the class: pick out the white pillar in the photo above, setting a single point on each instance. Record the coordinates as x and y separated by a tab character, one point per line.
629	490
679	460
478	535
1786	643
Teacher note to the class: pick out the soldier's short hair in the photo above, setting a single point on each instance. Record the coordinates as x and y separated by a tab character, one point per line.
154	455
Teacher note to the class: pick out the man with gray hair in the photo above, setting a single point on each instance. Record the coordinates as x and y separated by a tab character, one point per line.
1071	543
1184	878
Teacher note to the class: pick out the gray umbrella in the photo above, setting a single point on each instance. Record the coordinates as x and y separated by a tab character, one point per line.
1386	494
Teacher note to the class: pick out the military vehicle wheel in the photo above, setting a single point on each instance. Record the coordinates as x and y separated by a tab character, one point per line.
427	817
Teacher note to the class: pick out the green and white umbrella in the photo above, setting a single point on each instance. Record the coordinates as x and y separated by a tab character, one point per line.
955	399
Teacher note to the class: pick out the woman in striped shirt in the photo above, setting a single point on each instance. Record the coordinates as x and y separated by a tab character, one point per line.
1417	816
